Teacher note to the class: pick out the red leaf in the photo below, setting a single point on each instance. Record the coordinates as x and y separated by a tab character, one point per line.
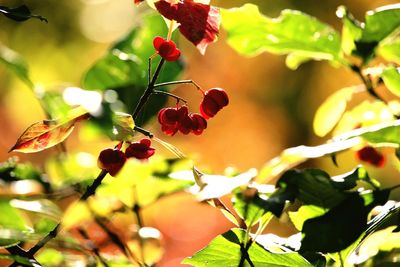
199	23
48	133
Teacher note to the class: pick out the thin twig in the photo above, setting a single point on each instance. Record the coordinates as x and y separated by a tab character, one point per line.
178	98
93	247
178	82
117	241
137	211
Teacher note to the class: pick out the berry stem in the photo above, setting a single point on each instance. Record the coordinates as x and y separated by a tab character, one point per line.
179	82
143	131
178	98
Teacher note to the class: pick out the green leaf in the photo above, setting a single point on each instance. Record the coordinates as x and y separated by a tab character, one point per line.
294	156
343	224
362	38
304	213
124	68
293	32
313	187
351	30
42	206
16	64
123	126
391	78
331	111
389	49
225	250
13	227
51	257
250	206
384	133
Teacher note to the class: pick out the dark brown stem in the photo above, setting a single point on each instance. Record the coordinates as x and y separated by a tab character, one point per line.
93	247
149	90
367	82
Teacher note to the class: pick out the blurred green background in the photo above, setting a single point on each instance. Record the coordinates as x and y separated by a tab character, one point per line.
271	107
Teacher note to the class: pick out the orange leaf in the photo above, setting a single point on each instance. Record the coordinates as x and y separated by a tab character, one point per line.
48	133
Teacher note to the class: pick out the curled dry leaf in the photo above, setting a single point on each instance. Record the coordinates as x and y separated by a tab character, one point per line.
48	133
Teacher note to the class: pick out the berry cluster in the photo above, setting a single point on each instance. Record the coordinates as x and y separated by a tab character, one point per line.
371	155
179	119
112	160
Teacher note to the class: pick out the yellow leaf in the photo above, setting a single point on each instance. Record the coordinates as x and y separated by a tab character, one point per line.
75	214
330	112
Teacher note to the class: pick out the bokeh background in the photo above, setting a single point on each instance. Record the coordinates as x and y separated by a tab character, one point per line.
271	107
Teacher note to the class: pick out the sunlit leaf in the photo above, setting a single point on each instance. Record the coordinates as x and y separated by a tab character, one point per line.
383	133
250	206
363	38
304	213
20	13
123	127
48	133
215	186
16	64
351	30
292	157
51	257
365	114
391	78
225	250
343	224
274	243
43	206
295	33
389	49
13	226
330	112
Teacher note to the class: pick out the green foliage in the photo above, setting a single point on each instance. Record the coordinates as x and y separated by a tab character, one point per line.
361	39
15	63
300	36
226	250
13	227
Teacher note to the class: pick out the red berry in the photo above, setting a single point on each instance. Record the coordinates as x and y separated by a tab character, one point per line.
166	48
371	156
168	116
214	100
199	123
140	150
185	124
111	160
